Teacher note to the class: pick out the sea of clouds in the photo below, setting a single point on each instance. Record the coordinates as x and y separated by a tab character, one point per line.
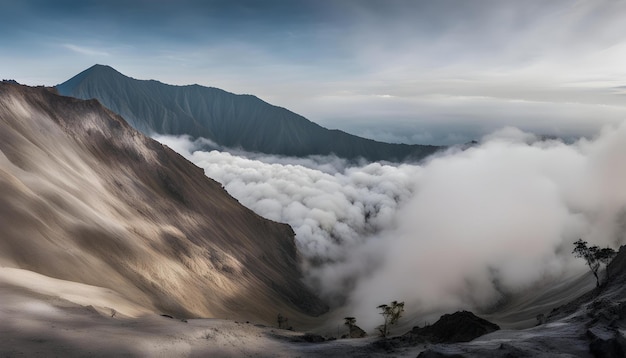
459	230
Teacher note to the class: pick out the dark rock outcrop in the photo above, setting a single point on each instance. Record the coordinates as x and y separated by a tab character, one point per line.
606	344
356	332
430	353
616	271
462	326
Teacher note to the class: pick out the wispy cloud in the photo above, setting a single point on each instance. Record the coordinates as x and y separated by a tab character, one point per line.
410	67
88	51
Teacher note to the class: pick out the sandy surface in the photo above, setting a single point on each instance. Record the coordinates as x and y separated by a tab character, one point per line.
41	317
36	322
45	317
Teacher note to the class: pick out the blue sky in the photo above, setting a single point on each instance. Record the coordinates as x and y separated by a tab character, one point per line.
440	72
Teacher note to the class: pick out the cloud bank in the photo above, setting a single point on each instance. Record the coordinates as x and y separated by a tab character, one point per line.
461	230
332	207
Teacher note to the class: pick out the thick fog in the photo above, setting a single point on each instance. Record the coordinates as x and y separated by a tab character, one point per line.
332	207
461	230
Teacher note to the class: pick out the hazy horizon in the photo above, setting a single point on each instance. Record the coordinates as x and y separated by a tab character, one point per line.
443	72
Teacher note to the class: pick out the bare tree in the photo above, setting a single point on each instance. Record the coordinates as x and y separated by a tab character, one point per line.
391	314
350	322
594	256
282	321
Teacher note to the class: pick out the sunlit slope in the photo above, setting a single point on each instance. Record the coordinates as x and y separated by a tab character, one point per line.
237	121
86	198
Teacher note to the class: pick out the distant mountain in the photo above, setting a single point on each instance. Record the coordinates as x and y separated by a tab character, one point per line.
86	198
230	120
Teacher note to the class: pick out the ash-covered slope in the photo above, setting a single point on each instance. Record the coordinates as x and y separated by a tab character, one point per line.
590	325
236	121
86	198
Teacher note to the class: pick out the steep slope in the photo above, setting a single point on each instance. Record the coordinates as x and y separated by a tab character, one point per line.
590	325
230	120
86	198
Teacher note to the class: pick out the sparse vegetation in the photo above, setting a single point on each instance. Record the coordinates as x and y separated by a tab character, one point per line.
391	314
283	322
594	257
354	331
350	322
211	333
541	319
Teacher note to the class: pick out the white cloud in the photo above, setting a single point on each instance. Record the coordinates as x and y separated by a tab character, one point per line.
457	232
453	71
332	207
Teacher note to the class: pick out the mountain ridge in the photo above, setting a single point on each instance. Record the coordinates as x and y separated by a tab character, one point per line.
86	198
240	121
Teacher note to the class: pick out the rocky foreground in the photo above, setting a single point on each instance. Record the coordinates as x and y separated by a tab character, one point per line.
36	322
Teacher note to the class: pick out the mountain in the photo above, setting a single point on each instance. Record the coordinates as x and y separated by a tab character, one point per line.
230	120
85	199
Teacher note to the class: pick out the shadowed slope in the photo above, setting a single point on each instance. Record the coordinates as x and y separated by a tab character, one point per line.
86	198
230	120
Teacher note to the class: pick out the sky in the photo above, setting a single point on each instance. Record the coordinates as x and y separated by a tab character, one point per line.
432	72
495	218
